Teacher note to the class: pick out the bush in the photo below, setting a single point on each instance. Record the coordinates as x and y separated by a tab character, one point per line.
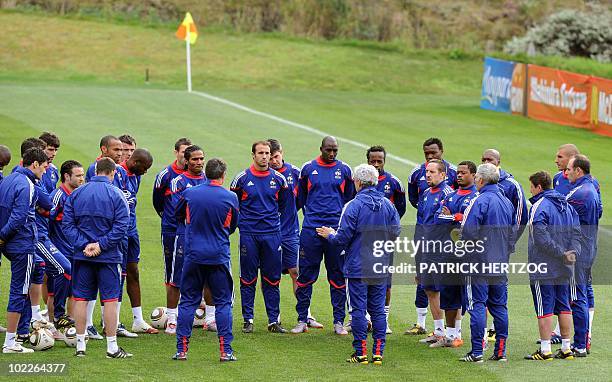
570	33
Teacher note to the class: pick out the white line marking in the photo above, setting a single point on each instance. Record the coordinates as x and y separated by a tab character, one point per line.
297	125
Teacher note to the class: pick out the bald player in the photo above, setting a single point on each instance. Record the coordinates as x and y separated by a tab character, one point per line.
5	159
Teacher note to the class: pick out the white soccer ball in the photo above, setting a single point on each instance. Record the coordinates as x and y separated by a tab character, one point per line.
159	318
42	339
198	320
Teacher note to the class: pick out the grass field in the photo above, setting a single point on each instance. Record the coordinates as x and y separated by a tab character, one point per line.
374	98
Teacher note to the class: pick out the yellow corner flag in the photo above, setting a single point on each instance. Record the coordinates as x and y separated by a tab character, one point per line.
187	30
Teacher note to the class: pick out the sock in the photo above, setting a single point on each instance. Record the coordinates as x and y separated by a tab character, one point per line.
458	329
137	314
368	317
545	346
111	344
387	310
492	327
172	313
36	316
118	313
557	330
310	316
210	314
91	305
81	342
9	339
421	316
565	344
450	333
102	313
439	327
591	314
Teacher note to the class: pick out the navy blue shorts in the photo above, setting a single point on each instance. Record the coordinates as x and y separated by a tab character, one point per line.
451	297
133	247
22	267
550	299
173	261
291	248
89	277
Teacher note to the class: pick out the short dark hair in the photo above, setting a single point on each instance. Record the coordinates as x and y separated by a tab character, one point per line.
182	142
127	139
441	165
67	167
275	145
215	168
470	165
376	149
35	154
191	149
581	161
50	139
31	143
105	166
106	140
265	143
434	141
541	178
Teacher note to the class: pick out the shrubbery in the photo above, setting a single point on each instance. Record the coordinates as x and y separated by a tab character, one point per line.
570	33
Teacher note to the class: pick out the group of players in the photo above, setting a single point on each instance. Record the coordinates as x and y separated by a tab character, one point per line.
82	246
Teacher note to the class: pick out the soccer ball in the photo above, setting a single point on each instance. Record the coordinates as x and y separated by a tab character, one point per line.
159	318
42	339
198	320
70	337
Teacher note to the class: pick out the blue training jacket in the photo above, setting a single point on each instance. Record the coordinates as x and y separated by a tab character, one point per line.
368	218
324	189
178	185
554	228
290	225
162	197
211	215
514	192
56	216
489	220
97	212
392	188
417	183
585	200
18	199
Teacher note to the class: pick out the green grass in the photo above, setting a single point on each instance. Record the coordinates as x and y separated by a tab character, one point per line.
90	88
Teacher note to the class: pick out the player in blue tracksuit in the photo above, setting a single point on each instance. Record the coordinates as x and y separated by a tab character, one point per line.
110	147
417	183
587	203
393	190
450	214
325	186
194	157
135	167
427	230
264	196
72	176
211	216
162	197
96	219
365	220
554	240
18	236
490	215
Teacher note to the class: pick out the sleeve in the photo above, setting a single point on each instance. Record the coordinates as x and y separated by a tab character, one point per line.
576	233
236	186
347	227
349	186
285	198
120	224
180	209
542	239
440	218
73	233
520	207
159	192
56	205
234	220
471	221
90	172
399	199
176	199
413	190
302	193
19	213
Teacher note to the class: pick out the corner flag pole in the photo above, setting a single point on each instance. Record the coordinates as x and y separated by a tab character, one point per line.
188	32
188	61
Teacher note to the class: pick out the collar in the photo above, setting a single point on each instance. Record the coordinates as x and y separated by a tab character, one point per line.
257	173
581	180
124	165
489	188
439	187
466	191
27	172
176	168
65	189
320	162
382	176
186	174
283	168
100	178
215	182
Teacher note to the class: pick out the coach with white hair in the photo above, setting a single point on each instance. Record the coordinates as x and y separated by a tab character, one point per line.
488	223
368	219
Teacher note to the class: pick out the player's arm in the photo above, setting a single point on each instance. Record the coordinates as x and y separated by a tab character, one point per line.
542	238
56	205
18	216
159	192
43	201
236	186
520	206
90	172
444	215
73	233
234	216
413	189
302	193
120	226
285	196
180	207
349	185
399	199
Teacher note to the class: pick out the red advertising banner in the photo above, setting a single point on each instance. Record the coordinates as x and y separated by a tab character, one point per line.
558	96
601	106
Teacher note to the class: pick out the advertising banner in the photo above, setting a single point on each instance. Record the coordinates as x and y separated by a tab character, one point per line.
496	85
601	106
